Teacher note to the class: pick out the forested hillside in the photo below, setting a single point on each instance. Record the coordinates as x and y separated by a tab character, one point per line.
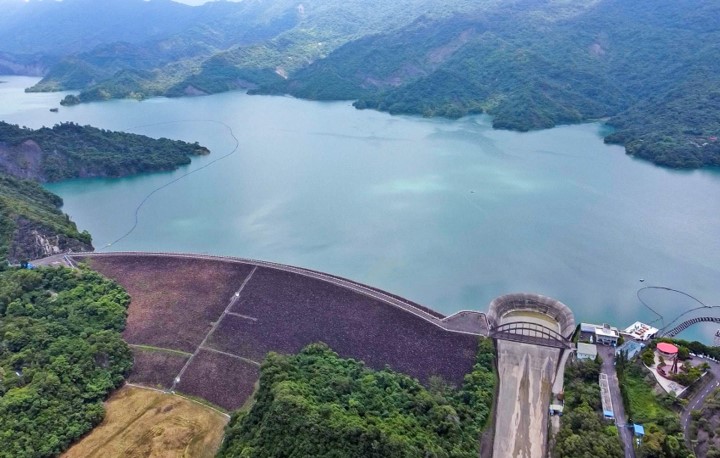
61	353
317	404
649	66
31	223
69	150
252	42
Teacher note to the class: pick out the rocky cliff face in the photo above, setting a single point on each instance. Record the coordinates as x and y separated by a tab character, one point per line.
22	161
32	240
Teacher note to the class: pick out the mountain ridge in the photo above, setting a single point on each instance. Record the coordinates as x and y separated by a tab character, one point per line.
530	64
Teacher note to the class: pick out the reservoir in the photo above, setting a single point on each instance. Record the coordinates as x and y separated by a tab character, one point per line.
450	214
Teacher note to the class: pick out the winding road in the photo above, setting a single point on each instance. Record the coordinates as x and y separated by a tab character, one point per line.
696	401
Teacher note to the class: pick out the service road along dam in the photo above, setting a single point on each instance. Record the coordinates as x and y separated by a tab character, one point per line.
532	333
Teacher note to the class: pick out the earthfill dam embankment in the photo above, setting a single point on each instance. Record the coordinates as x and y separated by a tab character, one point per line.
210	321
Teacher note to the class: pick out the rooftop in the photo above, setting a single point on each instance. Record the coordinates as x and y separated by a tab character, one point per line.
600	329
641	331
605	397
586	349
667	348
631	347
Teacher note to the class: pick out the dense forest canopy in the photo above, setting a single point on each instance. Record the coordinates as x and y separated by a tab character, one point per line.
583	431
69	150
317	404
649	66
61	353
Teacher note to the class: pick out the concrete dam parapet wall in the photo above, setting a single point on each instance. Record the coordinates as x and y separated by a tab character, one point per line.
553	308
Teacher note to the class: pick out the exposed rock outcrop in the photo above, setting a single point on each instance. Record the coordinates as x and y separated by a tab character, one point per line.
22	161
32	240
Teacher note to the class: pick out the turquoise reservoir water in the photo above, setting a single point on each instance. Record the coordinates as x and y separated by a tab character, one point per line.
447	213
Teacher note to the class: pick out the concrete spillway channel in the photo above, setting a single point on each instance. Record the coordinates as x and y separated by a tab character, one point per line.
529	375
526	375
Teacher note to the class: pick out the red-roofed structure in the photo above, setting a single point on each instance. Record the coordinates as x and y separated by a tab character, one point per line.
667	348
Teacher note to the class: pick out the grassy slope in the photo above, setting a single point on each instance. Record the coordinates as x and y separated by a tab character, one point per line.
663	434
148	423
644	402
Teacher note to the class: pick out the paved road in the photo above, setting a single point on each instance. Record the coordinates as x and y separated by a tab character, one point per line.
697	400
608	367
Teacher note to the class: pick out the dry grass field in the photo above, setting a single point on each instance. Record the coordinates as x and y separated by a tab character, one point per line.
147	423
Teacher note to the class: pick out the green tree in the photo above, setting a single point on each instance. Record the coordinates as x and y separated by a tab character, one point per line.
317	404
61	353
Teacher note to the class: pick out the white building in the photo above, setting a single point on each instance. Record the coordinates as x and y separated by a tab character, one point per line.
586	351
599	334
641	331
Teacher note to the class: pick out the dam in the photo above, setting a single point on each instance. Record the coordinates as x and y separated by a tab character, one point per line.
202	324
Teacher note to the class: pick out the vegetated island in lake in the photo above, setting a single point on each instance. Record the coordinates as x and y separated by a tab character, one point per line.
31	223
651	68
